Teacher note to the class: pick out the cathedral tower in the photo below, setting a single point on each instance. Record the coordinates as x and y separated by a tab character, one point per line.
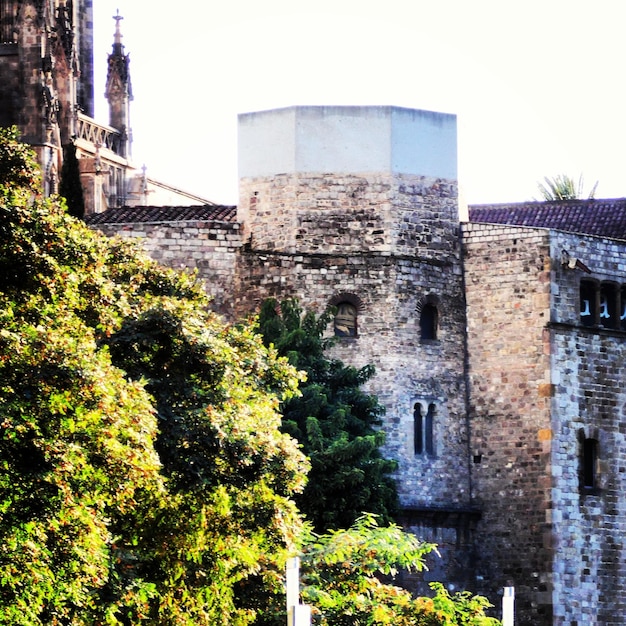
119	91
43	44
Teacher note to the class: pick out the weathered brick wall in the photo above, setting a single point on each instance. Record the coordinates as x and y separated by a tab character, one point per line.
507	276
209	247
589	401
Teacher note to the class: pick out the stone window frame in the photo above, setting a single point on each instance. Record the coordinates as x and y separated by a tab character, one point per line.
602	304
428	310
353	300
426	412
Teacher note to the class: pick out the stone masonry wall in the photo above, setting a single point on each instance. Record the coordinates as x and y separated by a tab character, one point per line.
9	79
368	213
414	259
507	277
209	247
388	243
589	401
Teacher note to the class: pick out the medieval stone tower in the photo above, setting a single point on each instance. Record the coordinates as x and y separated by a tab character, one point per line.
356	207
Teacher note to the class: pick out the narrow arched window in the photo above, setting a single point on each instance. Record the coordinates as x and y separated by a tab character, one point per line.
429	440
345	320
418	429
608	305
429	320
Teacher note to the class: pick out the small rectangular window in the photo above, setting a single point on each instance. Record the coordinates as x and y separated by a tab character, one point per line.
589	464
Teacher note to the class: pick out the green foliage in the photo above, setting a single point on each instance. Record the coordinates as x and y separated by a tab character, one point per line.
18	165
334	420
563	187
70	186
343	573
143	475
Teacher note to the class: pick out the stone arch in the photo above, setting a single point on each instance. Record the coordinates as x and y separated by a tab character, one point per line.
348	308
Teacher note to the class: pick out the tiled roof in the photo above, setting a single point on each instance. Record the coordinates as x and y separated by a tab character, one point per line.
604	218
130	215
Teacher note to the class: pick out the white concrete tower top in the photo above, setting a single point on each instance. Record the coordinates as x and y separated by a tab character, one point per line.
347	140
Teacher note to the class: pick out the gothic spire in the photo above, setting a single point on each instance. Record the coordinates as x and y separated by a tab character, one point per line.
118	88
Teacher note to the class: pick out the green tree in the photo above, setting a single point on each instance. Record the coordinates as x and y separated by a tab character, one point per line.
347	578
18	165
70	186
563	187
143	475
334	420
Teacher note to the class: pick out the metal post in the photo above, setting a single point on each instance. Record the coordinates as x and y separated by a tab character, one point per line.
508	606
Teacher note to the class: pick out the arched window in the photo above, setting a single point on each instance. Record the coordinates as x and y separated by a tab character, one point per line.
429	320
423	429
345	320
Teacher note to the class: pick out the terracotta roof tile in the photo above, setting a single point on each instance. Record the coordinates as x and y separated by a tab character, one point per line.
603	218
130	215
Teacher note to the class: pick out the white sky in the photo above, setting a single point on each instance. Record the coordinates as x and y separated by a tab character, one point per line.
537	85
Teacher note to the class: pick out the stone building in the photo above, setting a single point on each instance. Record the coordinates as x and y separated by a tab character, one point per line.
499	342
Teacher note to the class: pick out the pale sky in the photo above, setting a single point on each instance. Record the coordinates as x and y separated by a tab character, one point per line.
537	85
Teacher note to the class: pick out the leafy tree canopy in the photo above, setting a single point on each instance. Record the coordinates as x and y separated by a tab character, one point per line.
343	572
334	420
143	475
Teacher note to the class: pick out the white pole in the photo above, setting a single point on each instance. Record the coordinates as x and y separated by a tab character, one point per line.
297	614
292	576
508	606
